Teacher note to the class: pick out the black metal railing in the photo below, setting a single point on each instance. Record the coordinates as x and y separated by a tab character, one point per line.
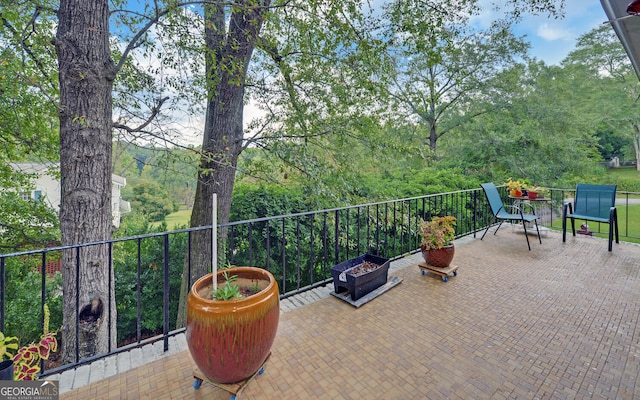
298	249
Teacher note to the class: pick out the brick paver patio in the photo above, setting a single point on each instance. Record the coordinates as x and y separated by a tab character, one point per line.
557	322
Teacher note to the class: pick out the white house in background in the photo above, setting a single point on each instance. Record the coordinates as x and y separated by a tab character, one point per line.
47	184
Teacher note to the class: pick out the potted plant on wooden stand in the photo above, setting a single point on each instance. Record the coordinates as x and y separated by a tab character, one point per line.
231	322
229	333
437	241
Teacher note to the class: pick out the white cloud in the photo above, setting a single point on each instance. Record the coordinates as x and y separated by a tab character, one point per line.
554	32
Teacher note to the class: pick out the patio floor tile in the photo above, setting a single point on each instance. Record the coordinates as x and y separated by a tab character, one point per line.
559	321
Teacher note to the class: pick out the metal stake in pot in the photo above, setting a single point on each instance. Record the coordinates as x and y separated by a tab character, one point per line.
214	241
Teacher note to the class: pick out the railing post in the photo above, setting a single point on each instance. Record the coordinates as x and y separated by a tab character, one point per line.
298	272
268	250
311	249
165	294
377	230
346	235
475	213
395	228
139	294
358	232
325	251
43	297
284	257
251	243
111	287
77	304
336	238
43	286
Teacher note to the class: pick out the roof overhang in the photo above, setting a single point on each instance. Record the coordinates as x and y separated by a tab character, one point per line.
627	27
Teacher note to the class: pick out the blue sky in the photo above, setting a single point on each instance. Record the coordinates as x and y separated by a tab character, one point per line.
552	39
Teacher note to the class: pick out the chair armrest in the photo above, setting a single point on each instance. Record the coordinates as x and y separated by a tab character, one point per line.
521	208
518	209
567	208
524	209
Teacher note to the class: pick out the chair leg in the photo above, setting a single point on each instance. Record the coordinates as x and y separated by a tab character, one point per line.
526	235
499	225
564	223
610	237
616	222
538	230
613	225
485	231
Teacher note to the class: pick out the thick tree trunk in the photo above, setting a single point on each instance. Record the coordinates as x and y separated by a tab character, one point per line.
228	56
86	73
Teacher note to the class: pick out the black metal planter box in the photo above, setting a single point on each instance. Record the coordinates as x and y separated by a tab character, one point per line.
360	285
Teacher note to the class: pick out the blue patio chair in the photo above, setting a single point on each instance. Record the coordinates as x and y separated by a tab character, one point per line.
501	214
592	203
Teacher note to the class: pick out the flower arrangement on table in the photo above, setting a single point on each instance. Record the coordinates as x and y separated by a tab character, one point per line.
438	233
26	361
515	187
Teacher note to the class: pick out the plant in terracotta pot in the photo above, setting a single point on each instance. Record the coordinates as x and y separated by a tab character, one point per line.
437	241
230	328
540	192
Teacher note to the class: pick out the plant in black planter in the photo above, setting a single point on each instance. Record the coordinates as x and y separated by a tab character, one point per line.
7	344
361	275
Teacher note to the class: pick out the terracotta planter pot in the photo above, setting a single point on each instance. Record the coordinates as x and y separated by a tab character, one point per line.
440	258
532	195
229	340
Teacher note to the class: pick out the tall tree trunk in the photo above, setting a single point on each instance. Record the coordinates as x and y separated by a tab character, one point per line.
86	73
228	56
636	145
433	137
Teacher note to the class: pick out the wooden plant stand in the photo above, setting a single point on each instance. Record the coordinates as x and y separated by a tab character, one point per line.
443	272
233	388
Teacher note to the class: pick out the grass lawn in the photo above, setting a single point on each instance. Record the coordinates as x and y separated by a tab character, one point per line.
624	172
632	226
179	218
